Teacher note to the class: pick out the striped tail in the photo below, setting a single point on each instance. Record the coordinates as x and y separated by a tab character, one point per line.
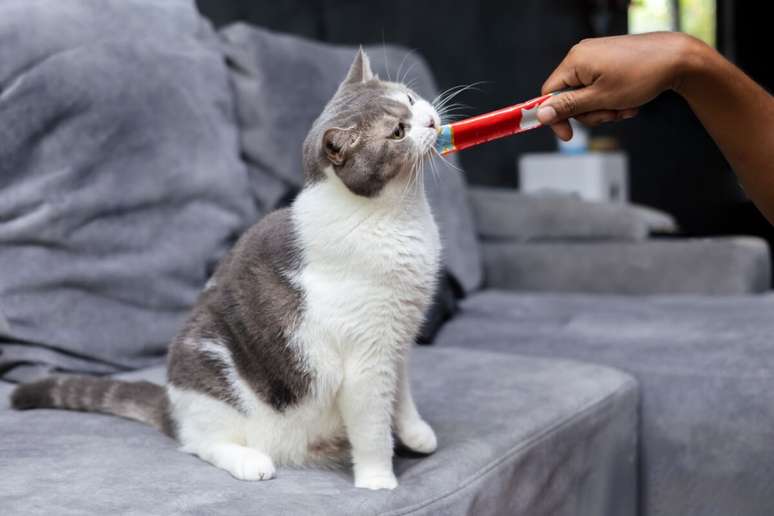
141	401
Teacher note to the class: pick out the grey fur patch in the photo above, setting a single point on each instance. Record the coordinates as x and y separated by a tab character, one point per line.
252	310
141	401
336	450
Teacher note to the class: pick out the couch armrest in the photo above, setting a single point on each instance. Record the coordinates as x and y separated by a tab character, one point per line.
715	266
503	214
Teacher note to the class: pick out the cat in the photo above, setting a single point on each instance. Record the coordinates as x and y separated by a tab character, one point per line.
296	351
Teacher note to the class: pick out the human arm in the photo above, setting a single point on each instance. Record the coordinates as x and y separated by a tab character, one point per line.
616	75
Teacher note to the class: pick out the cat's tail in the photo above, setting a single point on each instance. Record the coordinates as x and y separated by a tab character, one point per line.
141	401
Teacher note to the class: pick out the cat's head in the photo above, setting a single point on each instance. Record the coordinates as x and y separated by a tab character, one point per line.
370	133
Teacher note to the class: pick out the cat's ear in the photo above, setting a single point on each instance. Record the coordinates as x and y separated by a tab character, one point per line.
360	70
338	143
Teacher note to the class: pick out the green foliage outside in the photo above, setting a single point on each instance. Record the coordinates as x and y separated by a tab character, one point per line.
697	17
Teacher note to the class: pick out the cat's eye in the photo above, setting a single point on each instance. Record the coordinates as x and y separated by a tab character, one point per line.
399	132
411	99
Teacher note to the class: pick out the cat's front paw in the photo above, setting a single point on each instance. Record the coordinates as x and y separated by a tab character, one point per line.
252	465
418	436
376	479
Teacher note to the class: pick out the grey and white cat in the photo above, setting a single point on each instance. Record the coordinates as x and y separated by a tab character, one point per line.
296	351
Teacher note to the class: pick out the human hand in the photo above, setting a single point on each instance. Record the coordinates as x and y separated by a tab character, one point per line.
613	77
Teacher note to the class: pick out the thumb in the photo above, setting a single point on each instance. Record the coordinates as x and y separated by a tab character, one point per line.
567	104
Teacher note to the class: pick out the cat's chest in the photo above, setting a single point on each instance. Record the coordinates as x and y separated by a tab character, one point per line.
377	272
376	285
380	257
373	248
369	266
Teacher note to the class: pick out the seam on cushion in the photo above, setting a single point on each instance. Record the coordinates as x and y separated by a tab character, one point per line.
484	471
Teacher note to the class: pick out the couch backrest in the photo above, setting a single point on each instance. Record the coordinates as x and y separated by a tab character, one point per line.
281	84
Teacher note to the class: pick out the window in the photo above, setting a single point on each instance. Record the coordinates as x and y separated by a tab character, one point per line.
695	17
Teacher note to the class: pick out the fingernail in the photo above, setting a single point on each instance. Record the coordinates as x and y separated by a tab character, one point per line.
546	114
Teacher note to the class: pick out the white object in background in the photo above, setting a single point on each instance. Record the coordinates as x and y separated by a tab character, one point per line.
579	141
593	176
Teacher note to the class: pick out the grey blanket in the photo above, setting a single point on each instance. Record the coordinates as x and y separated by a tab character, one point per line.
120	179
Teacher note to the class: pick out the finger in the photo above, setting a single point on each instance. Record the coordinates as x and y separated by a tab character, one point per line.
563	130
626	114
594	118
604	116
562	78
568	104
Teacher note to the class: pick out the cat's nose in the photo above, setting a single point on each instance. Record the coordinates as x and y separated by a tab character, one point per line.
431	123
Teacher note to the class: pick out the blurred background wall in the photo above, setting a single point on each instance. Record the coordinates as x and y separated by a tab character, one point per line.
514	45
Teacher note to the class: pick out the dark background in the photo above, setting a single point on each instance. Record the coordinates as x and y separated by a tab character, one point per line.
514	45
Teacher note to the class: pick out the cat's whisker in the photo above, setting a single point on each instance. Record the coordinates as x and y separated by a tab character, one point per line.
406	188
402	61
412	170
440	99
451	113
451	107
433	170
418	164
417	167
386	61
356	226
410	84
435	164
450	96
445	92
449	163
408	71
421	169
448	119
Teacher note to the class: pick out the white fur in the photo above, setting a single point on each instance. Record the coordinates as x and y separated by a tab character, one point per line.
370	269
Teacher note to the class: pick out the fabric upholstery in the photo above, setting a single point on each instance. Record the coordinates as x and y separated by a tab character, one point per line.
513	441
503	214
120	178
281	84
715	266
705	368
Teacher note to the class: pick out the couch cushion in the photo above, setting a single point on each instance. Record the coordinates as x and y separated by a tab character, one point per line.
517	436
711	266
281	84
705	368
505	214
120	178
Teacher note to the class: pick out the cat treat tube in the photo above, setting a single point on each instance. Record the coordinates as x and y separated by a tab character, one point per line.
490	126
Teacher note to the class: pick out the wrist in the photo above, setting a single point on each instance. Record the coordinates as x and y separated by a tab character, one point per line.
694	61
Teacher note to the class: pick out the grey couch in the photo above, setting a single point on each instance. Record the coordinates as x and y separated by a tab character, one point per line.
590	370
